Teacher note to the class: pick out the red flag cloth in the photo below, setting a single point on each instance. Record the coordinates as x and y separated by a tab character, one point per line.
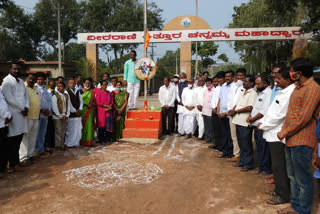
146	44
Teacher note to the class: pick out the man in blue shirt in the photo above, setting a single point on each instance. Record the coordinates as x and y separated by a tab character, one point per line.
222	111
132	80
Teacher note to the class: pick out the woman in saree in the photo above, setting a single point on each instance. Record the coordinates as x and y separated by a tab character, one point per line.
88	113
104	102
120	98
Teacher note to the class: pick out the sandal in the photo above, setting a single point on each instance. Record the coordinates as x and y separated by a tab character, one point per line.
257	171
271	192
269	181
287	210
276	200
264	176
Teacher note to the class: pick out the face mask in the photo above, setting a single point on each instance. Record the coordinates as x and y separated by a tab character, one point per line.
190	86
182	80
119	89
175	80
210	87
86	87
261	89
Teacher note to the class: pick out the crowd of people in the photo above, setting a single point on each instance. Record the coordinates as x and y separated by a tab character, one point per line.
36	120
231	109
226	111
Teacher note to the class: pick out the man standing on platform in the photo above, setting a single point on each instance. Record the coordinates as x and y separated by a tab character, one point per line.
167	96
45	110
14	91
74	125
299	132
180	110
132	80
199	102
29	139
188	99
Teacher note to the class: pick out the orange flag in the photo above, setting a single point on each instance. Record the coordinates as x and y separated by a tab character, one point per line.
146	44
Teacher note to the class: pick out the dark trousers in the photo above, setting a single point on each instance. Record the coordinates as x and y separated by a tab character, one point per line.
244	136
217	132
208	129
227	143
50	139
298	159
104	136
12	147
279	170
168	117
3	149
263	152
318	180
176	116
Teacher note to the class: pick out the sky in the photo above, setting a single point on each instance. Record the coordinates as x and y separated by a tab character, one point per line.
217	13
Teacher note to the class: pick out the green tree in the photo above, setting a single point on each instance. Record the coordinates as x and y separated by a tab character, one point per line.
118	16
261	55
223	57
167	64
20	37
46	12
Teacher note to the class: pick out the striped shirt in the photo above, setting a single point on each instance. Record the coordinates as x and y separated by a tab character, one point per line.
301	119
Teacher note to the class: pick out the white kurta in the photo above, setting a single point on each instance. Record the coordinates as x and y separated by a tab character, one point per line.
188	99
74	127
199	116
4	110
17	99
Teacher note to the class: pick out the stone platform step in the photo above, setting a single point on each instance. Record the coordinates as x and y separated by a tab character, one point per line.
141	123
141	133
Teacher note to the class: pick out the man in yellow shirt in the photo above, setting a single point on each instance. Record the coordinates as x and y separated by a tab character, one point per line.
30	138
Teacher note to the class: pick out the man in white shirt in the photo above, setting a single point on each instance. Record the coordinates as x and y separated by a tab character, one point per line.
244	130
167	96
175	83
14	91
183	83
74	124
270	125
60	103
233	96
189	104
222	111
113	85
216	121
199	102
5	119
258	111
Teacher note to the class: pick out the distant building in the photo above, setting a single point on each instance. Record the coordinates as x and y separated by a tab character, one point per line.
50	69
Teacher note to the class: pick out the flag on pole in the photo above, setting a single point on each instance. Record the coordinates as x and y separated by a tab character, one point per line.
146	44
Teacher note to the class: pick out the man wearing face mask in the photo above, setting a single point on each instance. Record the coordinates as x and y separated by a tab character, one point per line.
299	132
199	101
233	96
176	79
188	99
259	109
181	85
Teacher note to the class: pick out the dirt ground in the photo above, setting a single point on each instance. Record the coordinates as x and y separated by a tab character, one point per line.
174	176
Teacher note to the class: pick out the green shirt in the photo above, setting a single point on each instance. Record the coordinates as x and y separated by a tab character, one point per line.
129	74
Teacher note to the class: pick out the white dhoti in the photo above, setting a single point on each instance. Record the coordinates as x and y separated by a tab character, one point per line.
180	124
29	140
188	123
73	132
200	123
